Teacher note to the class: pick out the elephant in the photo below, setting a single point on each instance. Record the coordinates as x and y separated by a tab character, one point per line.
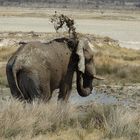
36	69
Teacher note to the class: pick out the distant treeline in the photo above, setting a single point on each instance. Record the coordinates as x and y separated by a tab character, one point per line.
73	3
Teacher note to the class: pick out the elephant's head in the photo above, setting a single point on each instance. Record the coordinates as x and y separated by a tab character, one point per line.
86	67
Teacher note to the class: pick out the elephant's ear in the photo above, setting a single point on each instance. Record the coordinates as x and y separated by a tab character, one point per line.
80	53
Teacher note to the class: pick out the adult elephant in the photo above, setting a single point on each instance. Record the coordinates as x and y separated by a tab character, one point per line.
36	69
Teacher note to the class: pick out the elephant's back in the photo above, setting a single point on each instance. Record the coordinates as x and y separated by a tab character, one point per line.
53	56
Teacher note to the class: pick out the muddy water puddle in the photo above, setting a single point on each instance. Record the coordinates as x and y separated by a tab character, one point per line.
130	97
103	98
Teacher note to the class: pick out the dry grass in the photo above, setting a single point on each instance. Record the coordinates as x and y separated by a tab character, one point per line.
3	80
118	65
20	121
6	52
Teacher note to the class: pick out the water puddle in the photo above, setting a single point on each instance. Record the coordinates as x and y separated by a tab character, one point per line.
101	98
96	97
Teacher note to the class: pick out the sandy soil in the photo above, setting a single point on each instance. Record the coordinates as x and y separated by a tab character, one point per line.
75	13
126	32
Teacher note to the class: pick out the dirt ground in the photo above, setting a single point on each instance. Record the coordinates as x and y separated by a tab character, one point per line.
76	13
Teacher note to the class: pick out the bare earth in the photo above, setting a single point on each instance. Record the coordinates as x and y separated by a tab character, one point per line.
120	25
127	32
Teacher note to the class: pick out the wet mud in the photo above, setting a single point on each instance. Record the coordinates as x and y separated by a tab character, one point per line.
128	96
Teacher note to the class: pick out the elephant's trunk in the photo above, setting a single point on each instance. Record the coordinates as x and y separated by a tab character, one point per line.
84	84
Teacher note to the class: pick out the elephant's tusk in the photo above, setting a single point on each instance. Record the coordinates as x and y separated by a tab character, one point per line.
98	78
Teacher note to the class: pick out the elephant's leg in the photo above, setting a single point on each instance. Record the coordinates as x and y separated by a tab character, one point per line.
65	90
46	93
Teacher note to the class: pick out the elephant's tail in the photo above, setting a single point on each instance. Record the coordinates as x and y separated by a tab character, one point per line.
22	85
15	70
11	79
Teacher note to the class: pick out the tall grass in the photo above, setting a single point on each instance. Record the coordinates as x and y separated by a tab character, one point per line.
51	121
116	67
6	52
3	80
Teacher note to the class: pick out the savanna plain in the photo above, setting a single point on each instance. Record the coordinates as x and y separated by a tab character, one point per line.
112	112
